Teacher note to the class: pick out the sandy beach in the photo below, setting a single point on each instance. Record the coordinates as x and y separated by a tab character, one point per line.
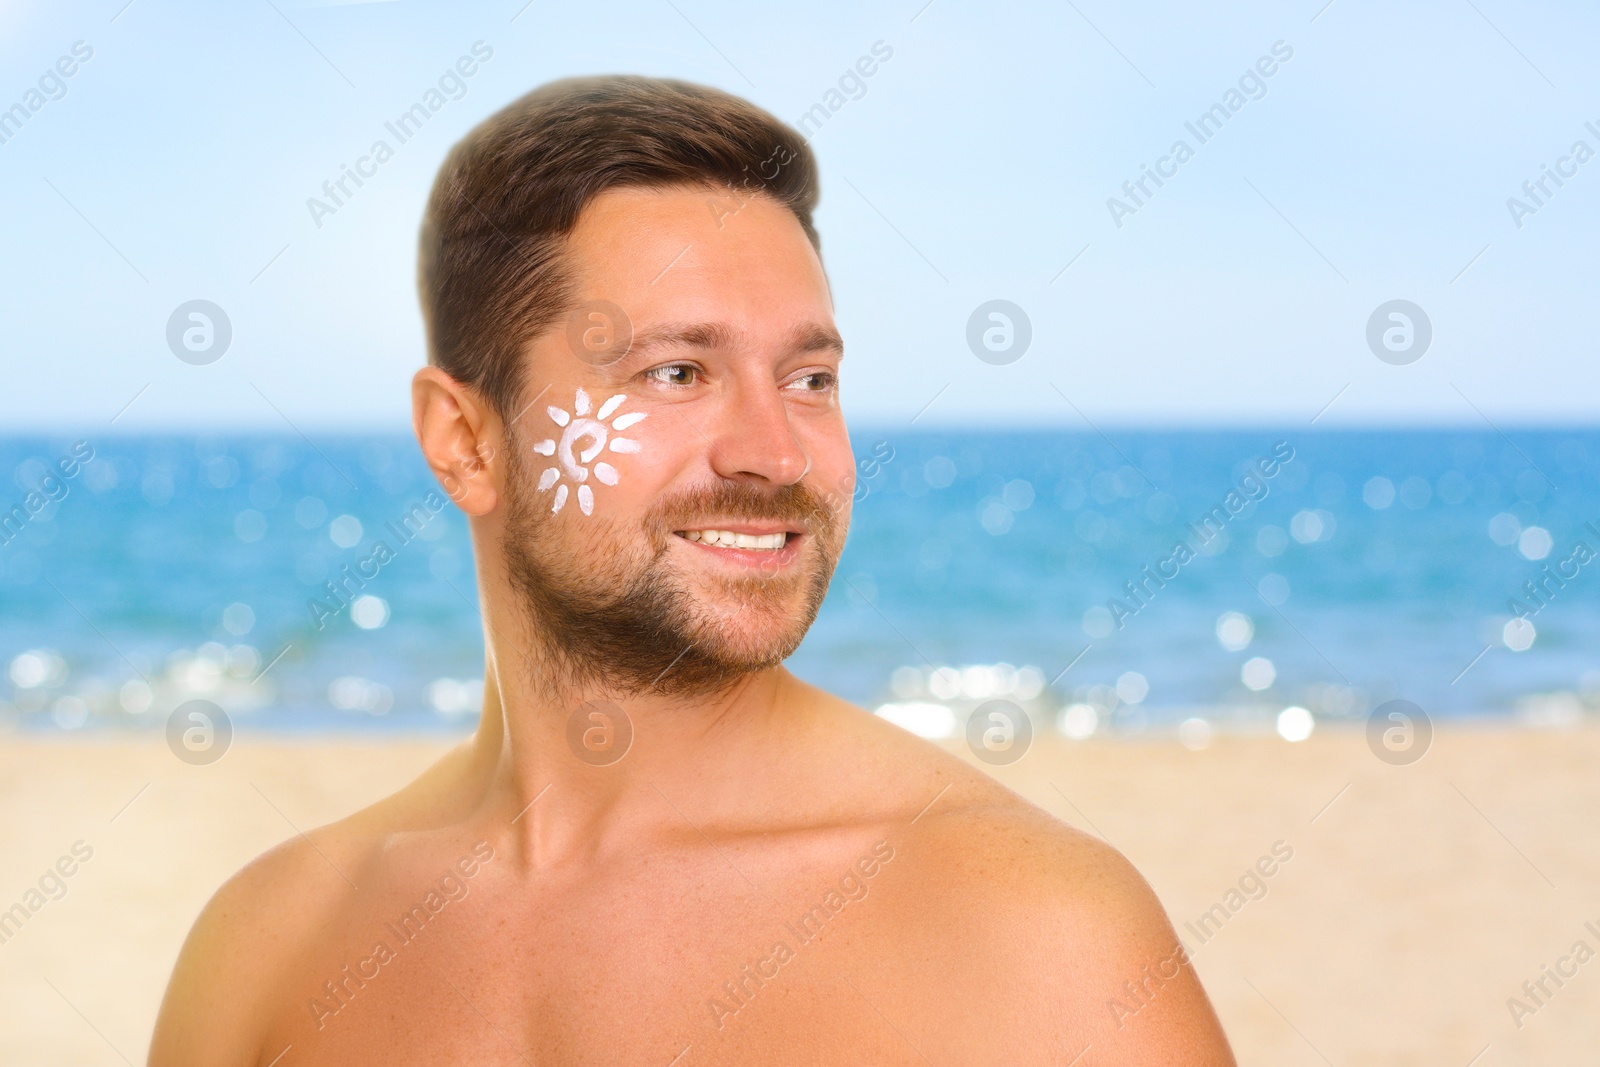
1414	903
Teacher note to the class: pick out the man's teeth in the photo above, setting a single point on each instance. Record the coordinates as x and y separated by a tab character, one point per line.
729	539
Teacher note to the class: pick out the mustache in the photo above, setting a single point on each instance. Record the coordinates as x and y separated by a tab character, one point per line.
796	504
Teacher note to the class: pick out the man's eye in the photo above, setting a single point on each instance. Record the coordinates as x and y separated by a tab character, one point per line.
675	374
817	382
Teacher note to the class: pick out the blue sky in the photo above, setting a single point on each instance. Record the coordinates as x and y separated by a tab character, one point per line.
975	164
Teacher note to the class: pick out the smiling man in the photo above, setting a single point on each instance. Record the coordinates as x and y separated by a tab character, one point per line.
660	847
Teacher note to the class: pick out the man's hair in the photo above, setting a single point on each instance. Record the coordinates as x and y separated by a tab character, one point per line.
491	273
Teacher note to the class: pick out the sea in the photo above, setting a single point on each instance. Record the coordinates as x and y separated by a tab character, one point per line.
1125	582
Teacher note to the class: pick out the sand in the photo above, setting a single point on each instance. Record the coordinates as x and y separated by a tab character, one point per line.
1417	900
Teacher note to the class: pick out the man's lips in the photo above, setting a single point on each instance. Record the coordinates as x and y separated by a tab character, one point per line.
762	543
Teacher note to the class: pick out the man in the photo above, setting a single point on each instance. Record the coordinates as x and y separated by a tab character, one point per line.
660	847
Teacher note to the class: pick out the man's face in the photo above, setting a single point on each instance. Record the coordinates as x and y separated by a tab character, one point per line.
676	505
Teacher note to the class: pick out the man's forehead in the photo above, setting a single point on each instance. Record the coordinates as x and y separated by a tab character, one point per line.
641	213
660	270
661	235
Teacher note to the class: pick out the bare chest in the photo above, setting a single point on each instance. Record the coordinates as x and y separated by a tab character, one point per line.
690	962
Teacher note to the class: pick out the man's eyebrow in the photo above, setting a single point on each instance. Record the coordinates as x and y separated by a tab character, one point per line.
682	335
809	337
815	337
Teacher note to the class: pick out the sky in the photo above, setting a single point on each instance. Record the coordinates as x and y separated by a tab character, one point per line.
983	160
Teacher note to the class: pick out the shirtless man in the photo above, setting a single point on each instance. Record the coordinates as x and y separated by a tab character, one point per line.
660	847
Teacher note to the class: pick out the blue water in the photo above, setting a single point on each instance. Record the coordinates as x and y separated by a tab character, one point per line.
174	567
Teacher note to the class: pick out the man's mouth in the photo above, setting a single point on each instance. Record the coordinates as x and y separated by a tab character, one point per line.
750	542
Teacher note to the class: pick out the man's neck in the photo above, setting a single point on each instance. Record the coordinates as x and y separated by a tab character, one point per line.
689	757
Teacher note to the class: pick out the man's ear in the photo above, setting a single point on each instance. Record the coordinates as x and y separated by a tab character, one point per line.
459	435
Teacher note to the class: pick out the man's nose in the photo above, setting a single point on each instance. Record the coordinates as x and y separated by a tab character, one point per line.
754	439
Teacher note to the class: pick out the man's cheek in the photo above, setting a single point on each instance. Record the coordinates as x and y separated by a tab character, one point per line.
590	436
839	483
655	452
662	461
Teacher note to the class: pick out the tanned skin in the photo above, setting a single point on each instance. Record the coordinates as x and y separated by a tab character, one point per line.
632	913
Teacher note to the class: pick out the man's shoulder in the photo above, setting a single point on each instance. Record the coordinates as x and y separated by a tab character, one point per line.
948	800
315	868
1021	898
1068	923
991	843
980	836
236	953
1029	881
247	938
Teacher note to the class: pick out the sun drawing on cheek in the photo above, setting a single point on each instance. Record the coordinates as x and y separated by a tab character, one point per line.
595	437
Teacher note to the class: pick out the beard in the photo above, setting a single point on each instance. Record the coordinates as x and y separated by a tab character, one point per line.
609	611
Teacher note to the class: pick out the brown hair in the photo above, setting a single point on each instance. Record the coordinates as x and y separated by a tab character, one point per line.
490	271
